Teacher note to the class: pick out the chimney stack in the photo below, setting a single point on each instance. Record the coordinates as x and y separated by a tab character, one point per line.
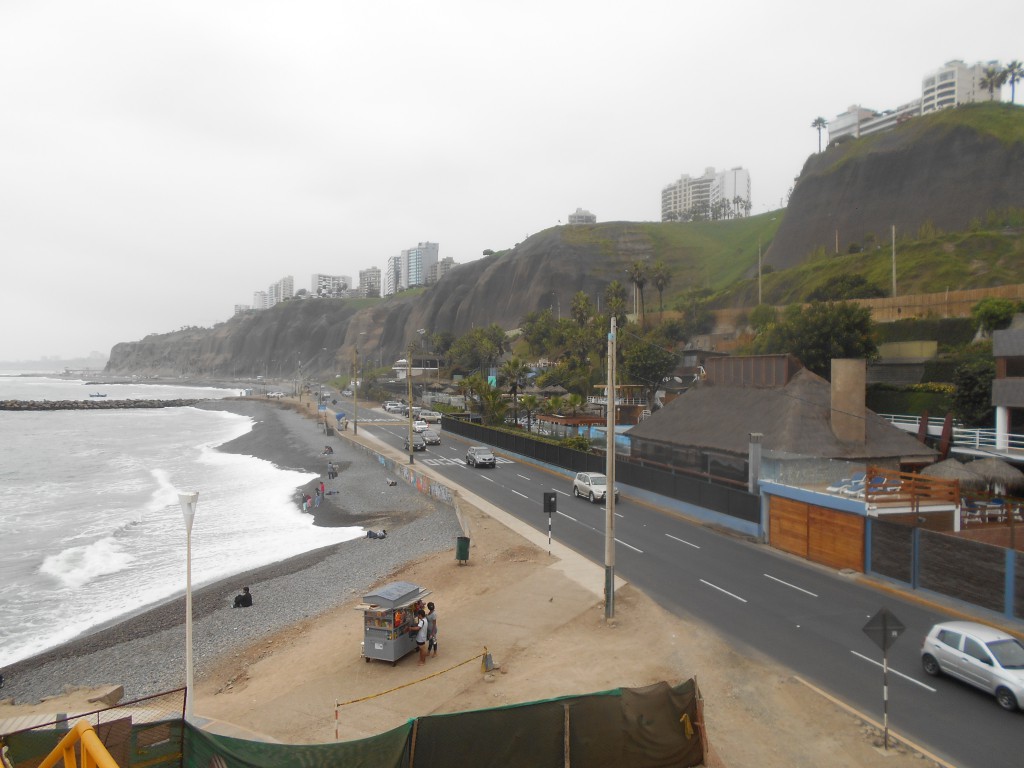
849	379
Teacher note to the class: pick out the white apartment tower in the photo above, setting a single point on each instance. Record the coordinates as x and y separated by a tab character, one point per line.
715	195
955	83
392	279
281	290
329	285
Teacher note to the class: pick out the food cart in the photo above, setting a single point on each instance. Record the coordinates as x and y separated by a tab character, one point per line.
388	615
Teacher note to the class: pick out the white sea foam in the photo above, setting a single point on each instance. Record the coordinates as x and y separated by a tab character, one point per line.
79	565
97	523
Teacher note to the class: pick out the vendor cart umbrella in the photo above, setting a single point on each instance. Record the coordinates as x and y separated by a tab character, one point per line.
998	474
952	469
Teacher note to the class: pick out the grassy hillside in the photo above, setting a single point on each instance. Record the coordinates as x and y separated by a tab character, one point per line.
925	263
722	257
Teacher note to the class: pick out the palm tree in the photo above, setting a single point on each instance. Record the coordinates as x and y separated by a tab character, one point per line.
513	372
991	78
555	403
821	124
638	277
661	277
530	404
1013	72
574	402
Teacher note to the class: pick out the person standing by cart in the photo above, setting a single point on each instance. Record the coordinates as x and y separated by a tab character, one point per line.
421	635
431	630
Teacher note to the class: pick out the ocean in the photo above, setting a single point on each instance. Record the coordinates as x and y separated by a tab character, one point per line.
90	526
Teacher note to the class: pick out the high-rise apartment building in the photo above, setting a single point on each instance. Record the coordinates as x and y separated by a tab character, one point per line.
955	83
281	290
715	195
392	278
369	282
416	264
259	300
329	285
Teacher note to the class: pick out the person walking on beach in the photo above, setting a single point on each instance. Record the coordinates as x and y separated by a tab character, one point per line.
321	488
421	635
243	599
431	630
316	501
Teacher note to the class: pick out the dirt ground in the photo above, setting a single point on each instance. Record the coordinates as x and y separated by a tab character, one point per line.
757	713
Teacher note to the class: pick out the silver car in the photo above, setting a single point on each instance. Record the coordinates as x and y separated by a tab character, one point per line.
979	655
591	485
479	456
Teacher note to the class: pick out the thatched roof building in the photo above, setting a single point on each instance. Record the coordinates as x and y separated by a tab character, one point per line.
799	414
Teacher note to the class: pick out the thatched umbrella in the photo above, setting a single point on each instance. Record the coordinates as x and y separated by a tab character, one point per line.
951	469
1000	475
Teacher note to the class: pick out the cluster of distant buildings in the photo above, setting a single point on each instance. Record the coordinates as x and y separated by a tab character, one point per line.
411	268
950	85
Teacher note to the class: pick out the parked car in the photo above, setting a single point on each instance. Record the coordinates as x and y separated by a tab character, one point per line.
479	456
979	655
418	443
420	426
591	485
431	417
430	437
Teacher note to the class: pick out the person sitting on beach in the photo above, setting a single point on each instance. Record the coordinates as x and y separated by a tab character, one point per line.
381	534
243	600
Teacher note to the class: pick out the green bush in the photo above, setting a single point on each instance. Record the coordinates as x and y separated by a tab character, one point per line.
905	401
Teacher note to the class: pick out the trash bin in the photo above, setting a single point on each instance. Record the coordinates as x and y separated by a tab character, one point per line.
329	430
462	549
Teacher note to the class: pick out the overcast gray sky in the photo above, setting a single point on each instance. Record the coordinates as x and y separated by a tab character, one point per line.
161	161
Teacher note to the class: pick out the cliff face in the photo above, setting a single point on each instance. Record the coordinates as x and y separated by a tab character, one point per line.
931	169
946	169
544	271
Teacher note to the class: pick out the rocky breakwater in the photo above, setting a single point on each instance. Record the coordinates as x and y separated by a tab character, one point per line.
90	405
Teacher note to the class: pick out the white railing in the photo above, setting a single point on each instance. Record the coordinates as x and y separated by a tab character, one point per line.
963	437
603	400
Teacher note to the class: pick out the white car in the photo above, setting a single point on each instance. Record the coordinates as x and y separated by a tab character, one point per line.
392	406
420	426
591	485
979	655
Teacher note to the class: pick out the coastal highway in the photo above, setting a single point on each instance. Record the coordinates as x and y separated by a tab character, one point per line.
807	617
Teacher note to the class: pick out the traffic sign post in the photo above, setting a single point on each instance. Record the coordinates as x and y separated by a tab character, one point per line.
884	628
550	506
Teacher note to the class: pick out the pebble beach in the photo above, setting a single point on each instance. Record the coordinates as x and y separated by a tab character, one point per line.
146	652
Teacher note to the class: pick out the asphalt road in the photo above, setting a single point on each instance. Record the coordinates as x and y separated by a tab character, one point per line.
805	616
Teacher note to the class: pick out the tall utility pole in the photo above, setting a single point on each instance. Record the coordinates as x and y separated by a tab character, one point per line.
894	261
609	496
408	379
759	271
355	390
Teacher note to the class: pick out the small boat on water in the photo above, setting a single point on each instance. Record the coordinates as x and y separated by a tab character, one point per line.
97	394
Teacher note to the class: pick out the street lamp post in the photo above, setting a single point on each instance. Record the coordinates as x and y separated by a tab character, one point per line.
188	502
